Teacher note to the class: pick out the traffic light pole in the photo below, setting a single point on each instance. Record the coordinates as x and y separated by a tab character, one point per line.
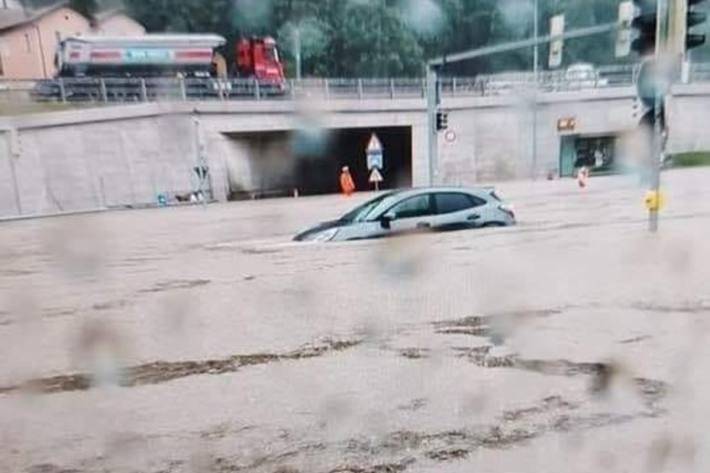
536	78
433	102
657	153
658	147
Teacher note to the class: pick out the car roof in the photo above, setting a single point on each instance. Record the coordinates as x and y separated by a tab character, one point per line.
442	189
398	195
391	198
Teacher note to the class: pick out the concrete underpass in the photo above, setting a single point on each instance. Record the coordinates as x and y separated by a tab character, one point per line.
277	163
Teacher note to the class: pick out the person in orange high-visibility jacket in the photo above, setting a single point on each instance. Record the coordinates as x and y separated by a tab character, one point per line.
347	185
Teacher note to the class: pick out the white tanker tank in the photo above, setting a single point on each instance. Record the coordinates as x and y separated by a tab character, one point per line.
154	55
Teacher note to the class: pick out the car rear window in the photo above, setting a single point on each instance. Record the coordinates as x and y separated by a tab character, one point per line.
451	202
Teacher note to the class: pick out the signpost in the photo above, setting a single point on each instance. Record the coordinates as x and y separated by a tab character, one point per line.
376	178
375	160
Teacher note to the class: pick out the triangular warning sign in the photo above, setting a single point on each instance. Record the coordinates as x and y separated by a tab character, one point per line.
376	176
375	145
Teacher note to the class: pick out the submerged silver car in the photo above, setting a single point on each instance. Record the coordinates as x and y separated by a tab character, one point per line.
416	210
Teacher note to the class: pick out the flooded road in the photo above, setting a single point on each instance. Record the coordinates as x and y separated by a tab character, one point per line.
203	340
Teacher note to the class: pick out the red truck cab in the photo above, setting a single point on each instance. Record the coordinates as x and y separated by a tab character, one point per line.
259	58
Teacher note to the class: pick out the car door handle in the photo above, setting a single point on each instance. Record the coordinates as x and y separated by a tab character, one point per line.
423	225
473	217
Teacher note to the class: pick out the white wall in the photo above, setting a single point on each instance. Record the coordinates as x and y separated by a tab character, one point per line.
123	155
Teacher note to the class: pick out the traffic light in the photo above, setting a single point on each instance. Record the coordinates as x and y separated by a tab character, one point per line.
694	18
442	121
645	23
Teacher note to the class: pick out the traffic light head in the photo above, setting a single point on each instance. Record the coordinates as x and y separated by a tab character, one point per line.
694	18
645	23
442	121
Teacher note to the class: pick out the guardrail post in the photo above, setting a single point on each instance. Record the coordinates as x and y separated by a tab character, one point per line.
453	87
183	89
257	89
326	86
292	86
144	91
392	89
104	91
62	91
359	89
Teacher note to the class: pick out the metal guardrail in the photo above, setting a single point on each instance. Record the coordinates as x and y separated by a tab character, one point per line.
136	90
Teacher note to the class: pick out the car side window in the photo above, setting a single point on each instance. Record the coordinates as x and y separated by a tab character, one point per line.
451	202
413	207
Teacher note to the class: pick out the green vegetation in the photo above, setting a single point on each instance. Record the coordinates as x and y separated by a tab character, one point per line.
350	38
693	159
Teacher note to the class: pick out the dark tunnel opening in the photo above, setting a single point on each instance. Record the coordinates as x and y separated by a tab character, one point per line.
319	174
277	164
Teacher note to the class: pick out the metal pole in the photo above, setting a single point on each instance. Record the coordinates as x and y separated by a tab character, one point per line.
524	44
536	33
62	91
144	91
13	171
297	41
201	162
662	42
536	60
432	104
104	91
183	89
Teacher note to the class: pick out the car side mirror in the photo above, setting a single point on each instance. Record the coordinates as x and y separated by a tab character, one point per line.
386	221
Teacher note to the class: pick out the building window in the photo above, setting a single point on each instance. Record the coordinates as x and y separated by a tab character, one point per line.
28	42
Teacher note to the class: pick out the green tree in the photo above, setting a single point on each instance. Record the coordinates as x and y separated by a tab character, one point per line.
312	36
350	38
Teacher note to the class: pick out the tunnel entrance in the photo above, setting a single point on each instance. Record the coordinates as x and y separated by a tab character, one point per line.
276	164
346	147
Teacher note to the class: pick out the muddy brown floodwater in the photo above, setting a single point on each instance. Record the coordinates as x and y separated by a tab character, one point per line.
203	340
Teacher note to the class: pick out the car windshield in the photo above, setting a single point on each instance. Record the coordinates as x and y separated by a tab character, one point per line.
271	53
360	214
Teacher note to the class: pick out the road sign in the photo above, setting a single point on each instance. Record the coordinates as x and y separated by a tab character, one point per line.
375	161
567	124
376	178
557	30
375	154
627	11
375	145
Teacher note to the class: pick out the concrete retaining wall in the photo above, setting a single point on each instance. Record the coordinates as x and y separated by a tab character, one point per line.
105	157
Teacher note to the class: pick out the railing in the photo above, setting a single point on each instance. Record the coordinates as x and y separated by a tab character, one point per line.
136	90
